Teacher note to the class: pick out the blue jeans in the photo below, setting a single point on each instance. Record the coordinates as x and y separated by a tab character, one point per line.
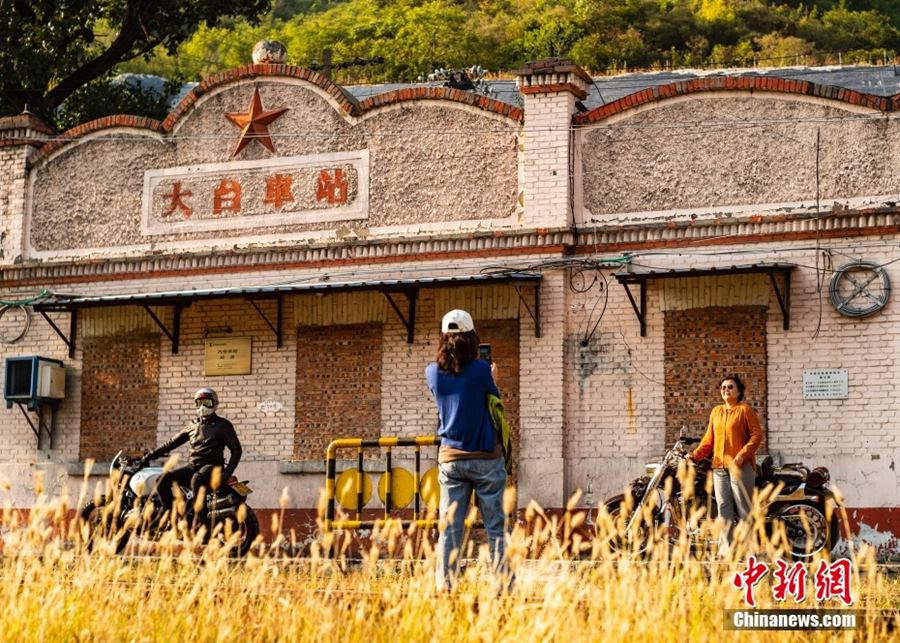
458	479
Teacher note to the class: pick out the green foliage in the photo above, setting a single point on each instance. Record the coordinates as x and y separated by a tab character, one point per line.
51	48
416	36
110	95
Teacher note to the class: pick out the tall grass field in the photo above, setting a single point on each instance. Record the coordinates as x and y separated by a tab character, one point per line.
576	578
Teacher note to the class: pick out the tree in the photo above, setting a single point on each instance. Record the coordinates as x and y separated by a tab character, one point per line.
51	48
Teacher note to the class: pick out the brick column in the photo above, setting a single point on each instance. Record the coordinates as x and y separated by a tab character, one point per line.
550	88
542	399
19	135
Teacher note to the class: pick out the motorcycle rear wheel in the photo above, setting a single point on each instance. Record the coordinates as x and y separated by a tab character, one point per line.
101	524
248	530
807	529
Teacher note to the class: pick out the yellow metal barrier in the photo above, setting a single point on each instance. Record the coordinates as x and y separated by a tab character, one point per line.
360	480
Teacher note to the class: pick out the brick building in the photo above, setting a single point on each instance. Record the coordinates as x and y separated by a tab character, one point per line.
620	259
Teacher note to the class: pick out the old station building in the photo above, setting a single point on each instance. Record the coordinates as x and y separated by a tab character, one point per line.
294	247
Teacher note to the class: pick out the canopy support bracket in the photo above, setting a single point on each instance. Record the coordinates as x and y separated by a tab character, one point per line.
175	334
279	315
536	313
73	327
409	320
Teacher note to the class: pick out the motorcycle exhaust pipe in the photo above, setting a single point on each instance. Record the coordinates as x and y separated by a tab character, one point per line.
227	512
222	503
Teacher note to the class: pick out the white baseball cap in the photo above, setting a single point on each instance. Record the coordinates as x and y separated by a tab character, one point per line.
457	321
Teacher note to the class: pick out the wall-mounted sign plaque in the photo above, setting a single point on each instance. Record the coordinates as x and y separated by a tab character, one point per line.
228	356
826	384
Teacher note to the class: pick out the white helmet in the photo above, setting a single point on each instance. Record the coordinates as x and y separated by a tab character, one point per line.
207	401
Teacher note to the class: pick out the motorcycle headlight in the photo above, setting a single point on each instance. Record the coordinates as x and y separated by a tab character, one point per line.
818	477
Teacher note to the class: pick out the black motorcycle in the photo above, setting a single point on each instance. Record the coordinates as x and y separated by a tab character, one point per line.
132	509
794	496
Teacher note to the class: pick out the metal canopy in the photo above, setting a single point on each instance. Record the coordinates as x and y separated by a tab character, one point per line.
181	299
783	293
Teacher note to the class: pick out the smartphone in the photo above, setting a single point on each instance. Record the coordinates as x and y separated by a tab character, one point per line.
484	352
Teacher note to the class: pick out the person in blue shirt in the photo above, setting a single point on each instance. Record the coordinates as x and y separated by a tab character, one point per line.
470	456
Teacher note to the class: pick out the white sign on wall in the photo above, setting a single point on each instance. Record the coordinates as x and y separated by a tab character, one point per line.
826	384
256	194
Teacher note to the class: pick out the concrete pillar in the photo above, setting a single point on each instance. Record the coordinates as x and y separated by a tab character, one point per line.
19	136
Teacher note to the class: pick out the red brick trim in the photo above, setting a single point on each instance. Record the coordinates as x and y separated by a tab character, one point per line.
554	88
583	247
403	259
738	83
553	66
96	125
346	100
17	142
25	121
442	93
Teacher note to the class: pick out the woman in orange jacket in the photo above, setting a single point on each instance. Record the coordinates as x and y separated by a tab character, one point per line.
732	437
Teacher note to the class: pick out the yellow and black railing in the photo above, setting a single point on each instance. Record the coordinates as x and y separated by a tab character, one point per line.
397	487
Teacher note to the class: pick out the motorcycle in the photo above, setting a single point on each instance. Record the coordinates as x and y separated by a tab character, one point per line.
794	496
133	509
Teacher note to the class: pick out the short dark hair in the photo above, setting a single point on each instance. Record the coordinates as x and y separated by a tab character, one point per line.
738	382
456	350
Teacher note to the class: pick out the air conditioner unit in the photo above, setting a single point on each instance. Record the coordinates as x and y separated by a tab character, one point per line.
34	381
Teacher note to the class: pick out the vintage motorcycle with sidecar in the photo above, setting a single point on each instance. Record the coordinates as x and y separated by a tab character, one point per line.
795	496
131	509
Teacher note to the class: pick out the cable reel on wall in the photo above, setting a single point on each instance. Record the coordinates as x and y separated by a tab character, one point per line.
859	288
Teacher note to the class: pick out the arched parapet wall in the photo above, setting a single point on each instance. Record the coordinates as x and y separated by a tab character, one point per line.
96	128
399	96
727	148
344	101
738	83
325	169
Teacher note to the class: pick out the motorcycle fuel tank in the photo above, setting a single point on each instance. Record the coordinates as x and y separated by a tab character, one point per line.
143	482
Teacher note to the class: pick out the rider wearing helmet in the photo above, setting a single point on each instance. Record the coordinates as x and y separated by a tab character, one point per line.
208	435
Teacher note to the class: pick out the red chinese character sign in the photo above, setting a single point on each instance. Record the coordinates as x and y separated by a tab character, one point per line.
316	189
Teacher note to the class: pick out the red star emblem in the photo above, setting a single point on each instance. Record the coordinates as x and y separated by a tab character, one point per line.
254	123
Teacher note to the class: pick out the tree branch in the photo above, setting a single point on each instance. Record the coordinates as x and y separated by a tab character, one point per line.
132	41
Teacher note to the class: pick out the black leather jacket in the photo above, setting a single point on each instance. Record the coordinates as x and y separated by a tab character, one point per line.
208	437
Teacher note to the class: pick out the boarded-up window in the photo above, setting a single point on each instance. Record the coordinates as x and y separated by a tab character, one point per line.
703	345
119	395
338	386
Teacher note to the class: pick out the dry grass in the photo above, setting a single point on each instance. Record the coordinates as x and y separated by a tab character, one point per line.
52	589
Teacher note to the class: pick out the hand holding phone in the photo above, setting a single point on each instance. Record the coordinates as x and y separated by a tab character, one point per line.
484	352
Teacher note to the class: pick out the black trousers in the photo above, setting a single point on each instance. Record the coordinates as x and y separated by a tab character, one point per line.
183	476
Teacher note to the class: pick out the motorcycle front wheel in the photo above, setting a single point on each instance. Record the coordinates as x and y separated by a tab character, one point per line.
806	529
99	523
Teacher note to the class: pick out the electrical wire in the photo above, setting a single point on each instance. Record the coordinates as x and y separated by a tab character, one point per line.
12	339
